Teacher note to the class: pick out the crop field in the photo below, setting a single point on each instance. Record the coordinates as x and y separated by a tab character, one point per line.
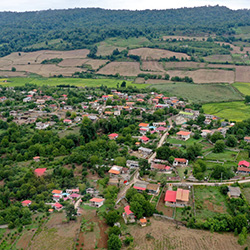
183	65
242	74
180	238
206	75
156	54
218	58
202	93
244	88
122	68
111	83
152	66
209	201
233	111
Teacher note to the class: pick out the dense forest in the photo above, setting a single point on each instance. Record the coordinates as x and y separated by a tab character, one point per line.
81	28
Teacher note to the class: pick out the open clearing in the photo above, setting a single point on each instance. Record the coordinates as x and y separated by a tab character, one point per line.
233	111
209	201
206	75
244	88
167	236
156	54
242	74
201	93
111	83
56	234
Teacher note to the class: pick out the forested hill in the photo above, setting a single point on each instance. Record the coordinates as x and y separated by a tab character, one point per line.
83	27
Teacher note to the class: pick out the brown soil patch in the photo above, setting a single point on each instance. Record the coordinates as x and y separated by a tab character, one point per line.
97	238
152	65
242	74
25	239
206	75
166	236
104	49
156	54
184	65
72	62
168	211
214	208
56	234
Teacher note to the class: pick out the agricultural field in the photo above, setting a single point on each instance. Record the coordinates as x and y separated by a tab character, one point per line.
218	58
206	75
244	88
209	201
156	54
194	38
152	66
200	93
183	65
179	238
242	74
111	83
233	111
227	155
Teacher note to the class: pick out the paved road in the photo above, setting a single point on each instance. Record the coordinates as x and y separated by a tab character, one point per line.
161	140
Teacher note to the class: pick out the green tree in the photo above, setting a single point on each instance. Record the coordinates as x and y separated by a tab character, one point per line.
70	212
114	242
231	141
219	146
112	217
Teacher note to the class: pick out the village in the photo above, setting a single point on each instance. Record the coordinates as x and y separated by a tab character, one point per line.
170	151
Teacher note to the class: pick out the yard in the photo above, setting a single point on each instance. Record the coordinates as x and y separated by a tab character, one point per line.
225	156
209	201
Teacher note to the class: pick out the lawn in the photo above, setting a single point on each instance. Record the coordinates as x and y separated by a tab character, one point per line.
244	88
209	201
187	143
233	111
111	83
200	93
227	155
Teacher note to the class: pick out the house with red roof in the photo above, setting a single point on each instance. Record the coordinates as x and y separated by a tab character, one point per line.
57	206
128	215
67	121
40	172
144	139
97	202
26	203
177	198
180	162
140	186
243	167
247	139
36	158
113	136
158	167
183	135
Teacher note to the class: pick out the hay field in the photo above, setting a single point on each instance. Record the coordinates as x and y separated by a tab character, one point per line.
218	58
123	68
242	74
233	111
184	65
12	74
167	236
156	54
152	66
201	93
206	75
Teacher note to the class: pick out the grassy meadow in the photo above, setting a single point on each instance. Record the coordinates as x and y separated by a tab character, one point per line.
233	111
111	83
244	88
201	93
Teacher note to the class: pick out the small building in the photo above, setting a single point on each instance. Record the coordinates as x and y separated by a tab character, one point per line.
40	172
158	167
180	162
113	136
97	202
206	132
144	139
140	186
36	158
128	215
115	170
153	188
144	126
143	222
170	198
234	192
67	121
132	164
145	151
57	193
247	139
26	203
183	135
57	206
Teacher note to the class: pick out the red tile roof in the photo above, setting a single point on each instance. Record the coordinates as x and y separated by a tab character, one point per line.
58	205
244	163
26	202
139	188
127	210
184	133
180	159
96	200
170	196
40	171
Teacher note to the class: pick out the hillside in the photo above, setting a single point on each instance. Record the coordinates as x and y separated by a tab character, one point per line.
80	28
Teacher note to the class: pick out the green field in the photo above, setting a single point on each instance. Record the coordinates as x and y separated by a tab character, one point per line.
227	155
111	83
208	202
233	111
244	88
200	93
187	143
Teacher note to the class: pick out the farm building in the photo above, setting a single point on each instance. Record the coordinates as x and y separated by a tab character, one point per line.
128	215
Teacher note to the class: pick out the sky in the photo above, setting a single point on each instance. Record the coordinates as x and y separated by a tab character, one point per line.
30	5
